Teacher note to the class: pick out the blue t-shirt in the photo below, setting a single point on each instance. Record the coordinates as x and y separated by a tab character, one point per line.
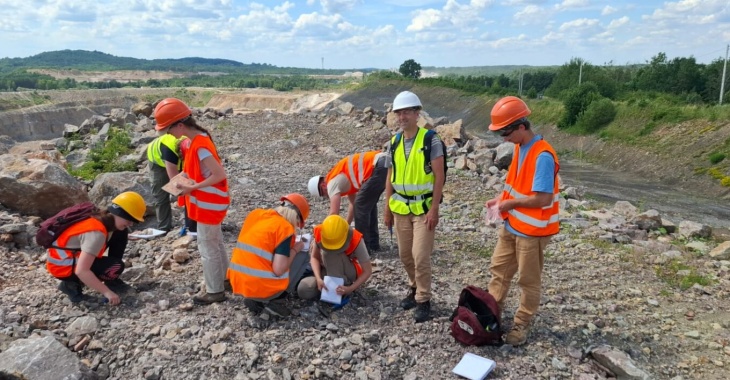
544	179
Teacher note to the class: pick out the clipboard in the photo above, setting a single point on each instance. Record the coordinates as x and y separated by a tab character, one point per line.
171	187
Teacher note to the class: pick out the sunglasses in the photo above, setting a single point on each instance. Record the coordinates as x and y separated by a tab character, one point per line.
505	132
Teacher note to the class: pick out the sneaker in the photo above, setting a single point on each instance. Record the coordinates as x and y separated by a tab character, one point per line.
517	336
423	312
253	306
118	286
227	286
277	308
209	298
72	289
410	301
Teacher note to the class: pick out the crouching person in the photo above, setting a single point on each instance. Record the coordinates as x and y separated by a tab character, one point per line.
261	262
338	251
77	256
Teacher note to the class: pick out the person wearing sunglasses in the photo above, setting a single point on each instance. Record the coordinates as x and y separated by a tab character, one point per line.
530	209
266	259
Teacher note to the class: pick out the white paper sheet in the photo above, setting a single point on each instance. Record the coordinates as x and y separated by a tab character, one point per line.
474	367
330	295
306	238
153	232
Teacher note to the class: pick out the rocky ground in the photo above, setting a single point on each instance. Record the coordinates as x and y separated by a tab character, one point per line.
608	284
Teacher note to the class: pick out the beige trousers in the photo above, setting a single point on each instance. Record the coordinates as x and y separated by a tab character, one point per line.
415	245
524	255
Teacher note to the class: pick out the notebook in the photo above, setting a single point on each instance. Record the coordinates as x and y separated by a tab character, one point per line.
474	367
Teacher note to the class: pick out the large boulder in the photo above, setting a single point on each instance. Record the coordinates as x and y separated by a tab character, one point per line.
452	133
43	358
503	156
109	185
37	186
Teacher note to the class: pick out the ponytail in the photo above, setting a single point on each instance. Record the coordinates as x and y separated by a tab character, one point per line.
190	122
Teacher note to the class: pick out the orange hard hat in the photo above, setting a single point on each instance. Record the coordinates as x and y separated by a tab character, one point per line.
169	111
299	202
507	111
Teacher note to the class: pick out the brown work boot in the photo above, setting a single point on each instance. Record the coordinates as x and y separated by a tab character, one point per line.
517	336
209	298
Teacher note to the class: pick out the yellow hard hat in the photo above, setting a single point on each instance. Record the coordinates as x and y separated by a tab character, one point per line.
334	232
129	205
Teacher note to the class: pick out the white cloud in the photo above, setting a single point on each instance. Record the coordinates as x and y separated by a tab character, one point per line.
338	6
452	14
524	2
580	24
571	4
619	22
607	10
528	14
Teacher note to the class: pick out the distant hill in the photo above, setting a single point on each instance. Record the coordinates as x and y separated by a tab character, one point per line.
98	61
489	71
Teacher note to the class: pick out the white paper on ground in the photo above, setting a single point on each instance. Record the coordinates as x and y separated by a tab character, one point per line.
474	367
330	295
153	232
306	238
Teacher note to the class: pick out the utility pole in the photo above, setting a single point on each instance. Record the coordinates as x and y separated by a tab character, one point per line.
580	72
724	70
520	81
322	63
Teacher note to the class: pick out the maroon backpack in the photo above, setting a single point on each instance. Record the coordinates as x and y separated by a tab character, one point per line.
476	319
52	227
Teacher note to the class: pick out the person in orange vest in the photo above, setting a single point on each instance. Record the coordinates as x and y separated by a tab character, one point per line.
190	227
361	178
77	258
530	209
338	251
265	261
207	199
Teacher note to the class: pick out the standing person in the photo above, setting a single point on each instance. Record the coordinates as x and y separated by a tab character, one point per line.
530	209
261	265
164	162
339	251
361	178
77	256
191	226
414	195
207	199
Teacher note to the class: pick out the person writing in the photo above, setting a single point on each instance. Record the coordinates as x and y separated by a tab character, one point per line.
206	199
261	264
361	178
339	251
77	255
530	209
414	194
164	162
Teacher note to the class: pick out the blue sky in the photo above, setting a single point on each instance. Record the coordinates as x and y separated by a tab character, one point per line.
372	33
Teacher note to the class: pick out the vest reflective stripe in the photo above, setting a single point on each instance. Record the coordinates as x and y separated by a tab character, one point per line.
60	261
209	204
543	221
354	237
154	151
413	188
251	270
356	167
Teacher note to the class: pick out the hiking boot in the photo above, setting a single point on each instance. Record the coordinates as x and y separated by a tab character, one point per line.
517	336
209	298
410	301
227	286
253	306
118	286
277	308
72	289
423	312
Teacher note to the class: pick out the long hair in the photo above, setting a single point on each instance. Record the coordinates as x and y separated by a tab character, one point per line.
289	214
107	219
190	122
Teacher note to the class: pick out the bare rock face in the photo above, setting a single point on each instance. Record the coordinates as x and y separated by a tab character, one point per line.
109	185
452	133
37	187
43	358
142	108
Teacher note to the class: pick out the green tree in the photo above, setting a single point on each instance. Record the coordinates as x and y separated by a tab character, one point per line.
410	69
576	101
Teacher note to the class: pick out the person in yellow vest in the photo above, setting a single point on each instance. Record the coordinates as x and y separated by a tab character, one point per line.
530	209
339	251
190	227
261	264
77	256
361	178
207	199
414	195
164	162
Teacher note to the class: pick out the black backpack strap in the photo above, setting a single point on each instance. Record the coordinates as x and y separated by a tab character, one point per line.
427	141
393	145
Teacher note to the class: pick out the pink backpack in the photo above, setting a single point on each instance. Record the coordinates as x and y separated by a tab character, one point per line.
476	319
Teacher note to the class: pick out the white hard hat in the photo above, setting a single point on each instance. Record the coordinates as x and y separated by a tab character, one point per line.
313	186
406	99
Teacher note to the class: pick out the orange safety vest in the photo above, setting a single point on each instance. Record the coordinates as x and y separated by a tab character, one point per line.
60	262
251	270
353	240
543	221
357	168
209	204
